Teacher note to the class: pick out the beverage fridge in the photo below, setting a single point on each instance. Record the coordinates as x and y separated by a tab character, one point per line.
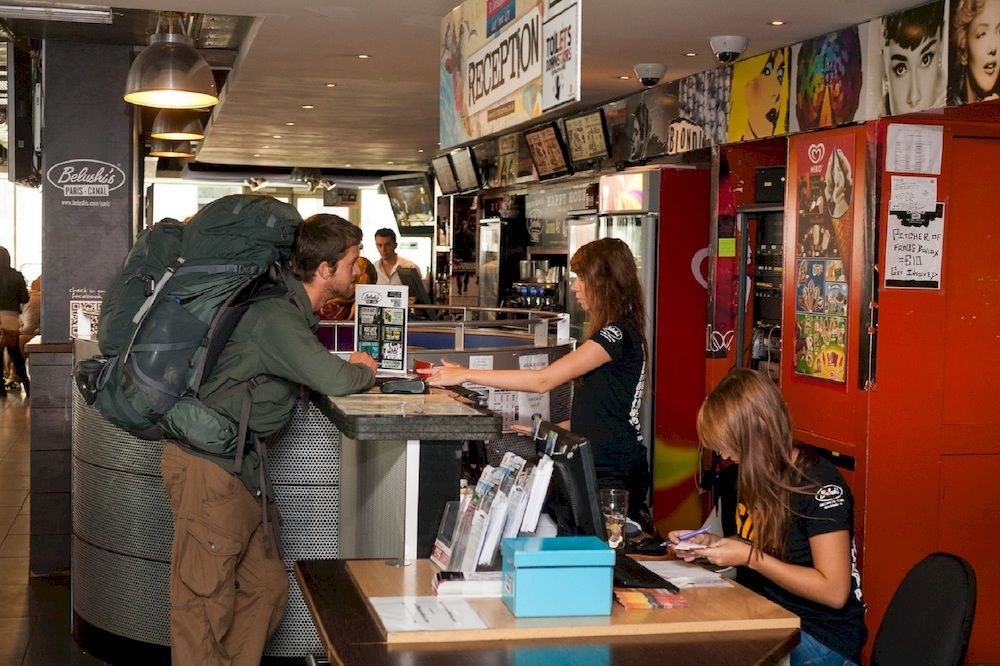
662	215
628	209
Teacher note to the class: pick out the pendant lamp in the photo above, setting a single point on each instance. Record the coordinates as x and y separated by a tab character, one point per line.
164	148
170	73
177	125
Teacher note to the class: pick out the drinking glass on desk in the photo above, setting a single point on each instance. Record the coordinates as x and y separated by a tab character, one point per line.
614	505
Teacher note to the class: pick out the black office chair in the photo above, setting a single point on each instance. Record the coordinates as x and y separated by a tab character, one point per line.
929	618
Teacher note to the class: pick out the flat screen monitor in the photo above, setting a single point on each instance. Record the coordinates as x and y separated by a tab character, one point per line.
548	151
573	498
411	198
587	137
445	174
466	169
23	119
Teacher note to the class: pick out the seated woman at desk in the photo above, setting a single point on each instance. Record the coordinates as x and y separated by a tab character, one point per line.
794	539
610	367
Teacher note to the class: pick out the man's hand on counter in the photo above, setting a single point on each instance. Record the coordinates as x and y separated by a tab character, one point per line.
361	358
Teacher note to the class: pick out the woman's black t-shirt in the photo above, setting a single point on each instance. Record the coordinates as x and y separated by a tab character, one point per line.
826	507
607	399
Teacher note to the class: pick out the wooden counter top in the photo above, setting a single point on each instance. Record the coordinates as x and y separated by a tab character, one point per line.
731	634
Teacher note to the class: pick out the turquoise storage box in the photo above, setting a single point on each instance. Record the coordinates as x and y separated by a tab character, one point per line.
544	577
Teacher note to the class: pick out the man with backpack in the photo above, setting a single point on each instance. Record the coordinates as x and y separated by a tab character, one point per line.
228	584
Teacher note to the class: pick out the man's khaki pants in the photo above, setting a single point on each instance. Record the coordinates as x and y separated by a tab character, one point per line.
227	592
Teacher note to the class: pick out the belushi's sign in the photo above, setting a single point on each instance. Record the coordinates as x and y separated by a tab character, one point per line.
86	178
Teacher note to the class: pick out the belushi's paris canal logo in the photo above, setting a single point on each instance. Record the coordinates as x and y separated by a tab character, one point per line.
86	178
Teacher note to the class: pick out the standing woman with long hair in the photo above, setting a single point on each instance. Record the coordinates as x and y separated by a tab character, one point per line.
794	540
610	366
13	294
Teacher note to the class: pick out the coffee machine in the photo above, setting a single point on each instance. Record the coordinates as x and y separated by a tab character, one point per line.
540	287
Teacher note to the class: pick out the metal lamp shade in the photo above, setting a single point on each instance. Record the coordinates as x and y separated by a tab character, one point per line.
164	148
170	74
177	125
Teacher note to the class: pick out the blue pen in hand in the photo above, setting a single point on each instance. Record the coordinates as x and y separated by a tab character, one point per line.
687	536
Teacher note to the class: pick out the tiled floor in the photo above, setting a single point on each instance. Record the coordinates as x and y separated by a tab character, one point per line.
34	612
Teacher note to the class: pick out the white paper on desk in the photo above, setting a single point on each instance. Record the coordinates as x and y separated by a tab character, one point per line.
685	574
425	614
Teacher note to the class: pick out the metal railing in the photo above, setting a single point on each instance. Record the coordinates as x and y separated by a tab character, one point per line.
536	324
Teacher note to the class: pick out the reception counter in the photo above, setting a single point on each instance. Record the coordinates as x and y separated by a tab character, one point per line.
361	476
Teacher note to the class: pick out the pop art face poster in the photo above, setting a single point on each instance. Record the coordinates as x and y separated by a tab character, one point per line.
825	198
975	43
829	77
759	96
914	59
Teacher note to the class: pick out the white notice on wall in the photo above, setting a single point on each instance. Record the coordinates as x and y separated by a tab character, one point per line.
913	194
529	404
914	244
913	148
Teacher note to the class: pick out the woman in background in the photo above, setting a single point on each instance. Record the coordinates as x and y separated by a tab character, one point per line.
13	294
794	536
610	367
341	308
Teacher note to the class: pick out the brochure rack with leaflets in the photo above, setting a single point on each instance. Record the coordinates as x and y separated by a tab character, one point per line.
506	502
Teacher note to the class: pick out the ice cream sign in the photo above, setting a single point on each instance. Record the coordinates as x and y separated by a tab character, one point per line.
86	178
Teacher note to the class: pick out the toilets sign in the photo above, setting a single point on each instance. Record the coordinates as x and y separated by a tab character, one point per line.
85	178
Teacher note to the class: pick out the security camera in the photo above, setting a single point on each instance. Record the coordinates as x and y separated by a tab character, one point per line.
650	73
727	48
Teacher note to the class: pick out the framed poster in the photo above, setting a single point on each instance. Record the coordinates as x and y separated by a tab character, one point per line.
824	185
380	324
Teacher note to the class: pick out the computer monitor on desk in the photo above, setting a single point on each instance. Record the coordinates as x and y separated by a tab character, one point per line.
573	493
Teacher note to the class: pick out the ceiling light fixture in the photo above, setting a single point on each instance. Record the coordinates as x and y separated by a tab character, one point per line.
177	125
776	23
308	106
624	78
290	124
275	136
66	13
164	148
331	85
690	54
170	73
363	56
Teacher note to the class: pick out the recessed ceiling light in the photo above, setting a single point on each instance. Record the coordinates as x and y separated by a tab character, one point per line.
290	124
777	23
275	136
347	165
256	154
624	78
390	162
690	54
265	147
331	85
308	106
420	150
363	56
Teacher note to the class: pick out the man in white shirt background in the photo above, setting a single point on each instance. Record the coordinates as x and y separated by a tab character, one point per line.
390	262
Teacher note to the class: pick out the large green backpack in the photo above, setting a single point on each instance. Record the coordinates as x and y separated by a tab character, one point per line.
170	311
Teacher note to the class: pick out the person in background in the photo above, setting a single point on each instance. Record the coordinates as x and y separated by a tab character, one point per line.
794	525
228	583
610	367
340	308
389	262
975	34
31	315
913	59
13	294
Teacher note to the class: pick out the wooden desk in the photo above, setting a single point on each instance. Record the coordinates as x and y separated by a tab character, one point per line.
720	627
